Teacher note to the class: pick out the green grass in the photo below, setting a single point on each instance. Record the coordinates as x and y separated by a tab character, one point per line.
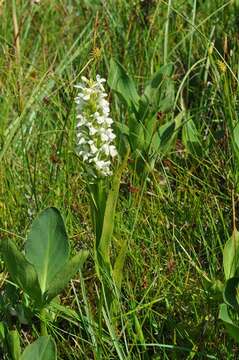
177	226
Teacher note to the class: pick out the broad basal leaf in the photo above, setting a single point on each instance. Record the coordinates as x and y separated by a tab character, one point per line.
43	348
63	277
21	271
47	246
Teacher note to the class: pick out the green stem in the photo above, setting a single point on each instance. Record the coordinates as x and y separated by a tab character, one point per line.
109	215
98	197
43	322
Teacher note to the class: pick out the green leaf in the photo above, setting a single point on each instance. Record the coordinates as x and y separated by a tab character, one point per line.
235	136
139	331
65	275
158	77
231	255
2	331
144	109
165	138
24	314
120	82
47	246
191	138
167	132
151	128
43	348
136	135
119	264
232	329
14	344
123	128
21	271
160	90
230	293
166	103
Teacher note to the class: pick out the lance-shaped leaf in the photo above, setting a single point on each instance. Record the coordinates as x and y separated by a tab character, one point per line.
120	82
136	135
43	348
65	275
231	255
165	137
191	137
21	271
160	90
47	246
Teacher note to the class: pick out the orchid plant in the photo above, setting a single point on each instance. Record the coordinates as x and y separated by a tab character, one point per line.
96	150
144	139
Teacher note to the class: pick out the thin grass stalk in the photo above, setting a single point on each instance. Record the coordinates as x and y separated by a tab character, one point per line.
16	31
166	35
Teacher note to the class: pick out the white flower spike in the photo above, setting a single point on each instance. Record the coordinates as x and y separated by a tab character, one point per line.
93	129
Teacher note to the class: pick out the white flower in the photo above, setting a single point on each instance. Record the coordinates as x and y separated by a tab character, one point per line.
83	78
113	151
93	148
109	150
109	121
81	141
94	131
100	119
103	167
99	79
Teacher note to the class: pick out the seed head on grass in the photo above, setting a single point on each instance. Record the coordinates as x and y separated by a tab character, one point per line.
221	66
94	132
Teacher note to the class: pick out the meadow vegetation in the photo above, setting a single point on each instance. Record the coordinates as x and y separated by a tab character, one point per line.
174	217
